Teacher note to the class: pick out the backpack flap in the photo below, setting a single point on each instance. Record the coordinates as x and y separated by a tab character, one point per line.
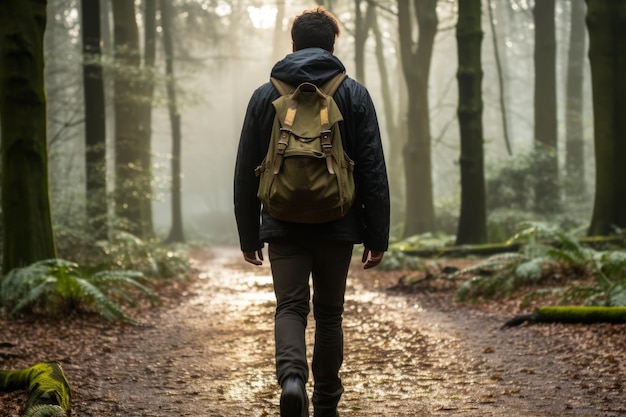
306	176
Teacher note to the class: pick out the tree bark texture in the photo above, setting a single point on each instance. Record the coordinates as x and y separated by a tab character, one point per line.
95	120
145	125
396	173
574	126
26	219
176	232
606	24
129	171
473	219
420	208
496	55
546	189
47	388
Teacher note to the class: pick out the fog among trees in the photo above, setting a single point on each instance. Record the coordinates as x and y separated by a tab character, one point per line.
177	76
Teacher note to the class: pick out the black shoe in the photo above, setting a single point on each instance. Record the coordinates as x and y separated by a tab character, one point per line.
293	400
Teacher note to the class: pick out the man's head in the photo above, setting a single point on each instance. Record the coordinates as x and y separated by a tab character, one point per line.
315	28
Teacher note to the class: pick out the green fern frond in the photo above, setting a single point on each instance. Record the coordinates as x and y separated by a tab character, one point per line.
493	263
531	270
44	410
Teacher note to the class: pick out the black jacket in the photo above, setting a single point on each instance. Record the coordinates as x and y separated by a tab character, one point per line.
368	220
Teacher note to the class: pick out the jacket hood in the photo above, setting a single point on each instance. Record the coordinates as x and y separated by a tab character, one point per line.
315	65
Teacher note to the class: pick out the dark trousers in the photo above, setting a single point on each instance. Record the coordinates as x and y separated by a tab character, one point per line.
327	262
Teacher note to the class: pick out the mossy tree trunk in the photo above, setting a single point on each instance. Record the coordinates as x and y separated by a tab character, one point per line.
47	388
420	207
473	219
26	219
95	120
606	23
574	127
546	189
129	170
176	232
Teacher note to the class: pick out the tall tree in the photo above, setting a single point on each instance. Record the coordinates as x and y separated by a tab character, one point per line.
574	127
546	189
606	23
128	165
496	54
95	120
396	174
279	42
420	208
26	219
469	35
145	121
176	231
362	26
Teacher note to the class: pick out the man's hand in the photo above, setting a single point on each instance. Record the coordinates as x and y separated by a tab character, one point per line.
254	257
371	258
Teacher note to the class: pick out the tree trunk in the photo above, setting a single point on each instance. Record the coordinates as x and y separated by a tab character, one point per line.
95	121
391	123
574	127
606	23
496	53
176	231
420	208
128	165
47	388
280	41
473	219
361	30
546	189
145	124
26	220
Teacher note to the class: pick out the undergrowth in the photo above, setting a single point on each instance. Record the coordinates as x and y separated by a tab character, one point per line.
60	286
100	276
554	260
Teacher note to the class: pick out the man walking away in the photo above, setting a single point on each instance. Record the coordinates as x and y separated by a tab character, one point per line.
322	251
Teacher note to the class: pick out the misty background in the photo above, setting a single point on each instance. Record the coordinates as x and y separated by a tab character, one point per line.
226	49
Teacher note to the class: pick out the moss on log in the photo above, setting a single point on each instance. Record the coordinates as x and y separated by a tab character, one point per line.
571	314
48	390
488	249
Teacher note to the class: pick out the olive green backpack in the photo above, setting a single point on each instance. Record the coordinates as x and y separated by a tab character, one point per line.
306	177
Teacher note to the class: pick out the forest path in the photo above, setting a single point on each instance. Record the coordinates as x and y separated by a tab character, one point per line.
210	353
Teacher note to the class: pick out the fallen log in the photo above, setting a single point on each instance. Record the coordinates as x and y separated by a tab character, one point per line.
571	314
489	249
49	393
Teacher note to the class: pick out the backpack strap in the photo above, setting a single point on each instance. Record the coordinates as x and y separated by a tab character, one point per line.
282	87
331	86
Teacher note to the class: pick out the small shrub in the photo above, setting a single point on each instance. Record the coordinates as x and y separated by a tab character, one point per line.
57	285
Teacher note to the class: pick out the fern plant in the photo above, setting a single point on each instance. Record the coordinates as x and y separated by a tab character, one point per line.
548	252
59	285
126	251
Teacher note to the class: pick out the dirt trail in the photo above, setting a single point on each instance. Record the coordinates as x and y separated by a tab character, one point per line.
211	354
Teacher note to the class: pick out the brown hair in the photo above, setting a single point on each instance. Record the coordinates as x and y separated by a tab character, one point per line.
315	28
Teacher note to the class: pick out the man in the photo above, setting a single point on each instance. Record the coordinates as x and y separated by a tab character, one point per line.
324	251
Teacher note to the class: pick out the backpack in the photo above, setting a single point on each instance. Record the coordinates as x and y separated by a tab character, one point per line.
306	176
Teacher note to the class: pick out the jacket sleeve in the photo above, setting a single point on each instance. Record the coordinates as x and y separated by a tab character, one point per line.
370	169
249	156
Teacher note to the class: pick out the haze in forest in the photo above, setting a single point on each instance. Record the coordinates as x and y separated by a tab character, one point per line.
225	49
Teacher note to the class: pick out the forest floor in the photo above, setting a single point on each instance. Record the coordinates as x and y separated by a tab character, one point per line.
208	351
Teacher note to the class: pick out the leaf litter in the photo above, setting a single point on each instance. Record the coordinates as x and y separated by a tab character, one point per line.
209	352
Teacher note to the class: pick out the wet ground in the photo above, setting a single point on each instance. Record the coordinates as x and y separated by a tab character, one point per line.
210	353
